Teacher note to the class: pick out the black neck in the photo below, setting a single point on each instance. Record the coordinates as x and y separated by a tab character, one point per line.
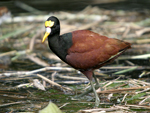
55	45
59	44
53	38
55	30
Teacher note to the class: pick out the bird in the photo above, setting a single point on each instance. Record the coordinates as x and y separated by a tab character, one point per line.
83	50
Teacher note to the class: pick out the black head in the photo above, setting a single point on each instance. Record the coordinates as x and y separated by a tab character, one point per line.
55	20
52	27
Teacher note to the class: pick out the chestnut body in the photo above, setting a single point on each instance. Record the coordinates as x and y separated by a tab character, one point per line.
90	50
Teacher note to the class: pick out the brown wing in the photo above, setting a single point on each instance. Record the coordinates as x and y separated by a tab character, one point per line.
89	49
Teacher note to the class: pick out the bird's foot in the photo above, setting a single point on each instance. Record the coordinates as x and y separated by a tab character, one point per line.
84	93
88	91
97	101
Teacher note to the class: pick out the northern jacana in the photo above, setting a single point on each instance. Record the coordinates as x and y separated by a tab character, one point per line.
83	50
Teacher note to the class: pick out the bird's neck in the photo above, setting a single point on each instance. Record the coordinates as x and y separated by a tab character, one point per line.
60	44
53	38
56	46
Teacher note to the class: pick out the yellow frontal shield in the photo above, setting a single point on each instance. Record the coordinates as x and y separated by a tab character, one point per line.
48	25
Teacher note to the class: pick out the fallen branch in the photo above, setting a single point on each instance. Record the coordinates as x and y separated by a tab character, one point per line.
51	56
142	31
32	42
37	60
73	82
144	56
53	83
36	71
146	98
138	106
16	32
13	103
103	110
121	90
125	70
142	82
8	53
17	53
72	78
125	67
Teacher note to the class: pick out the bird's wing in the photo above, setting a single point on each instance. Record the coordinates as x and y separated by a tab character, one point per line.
90	49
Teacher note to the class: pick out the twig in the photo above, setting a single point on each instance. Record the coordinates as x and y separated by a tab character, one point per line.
53	76
63	105
72	78
129	62
25	84
144	56
134	83
8	104
147	89
73	82
103	110
38	70
16	32
27	7
125	71
17	53
32	42
37	60
8	53
51	56
124	97
72	16
89	25
126	67
142	41
140	103
126	31
142	82
121	90
110	82
53	83
144	73
138	106
120	107
99	110
142	31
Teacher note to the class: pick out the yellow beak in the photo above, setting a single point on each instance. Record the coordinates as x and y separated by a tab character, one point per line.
45	36
47	33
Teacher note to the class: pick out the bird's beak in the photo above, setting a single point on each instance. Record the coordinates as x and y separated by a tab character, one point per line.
47	33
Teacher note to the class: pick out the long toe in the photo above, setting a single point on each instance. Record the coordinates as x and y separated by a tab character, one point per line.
97	101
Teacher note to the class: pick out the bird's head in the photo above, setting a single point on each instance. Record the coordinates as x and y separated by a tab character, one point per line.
50	24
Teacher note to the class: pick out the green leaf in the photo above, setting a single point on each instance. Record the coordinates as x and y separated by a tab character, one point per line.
50	108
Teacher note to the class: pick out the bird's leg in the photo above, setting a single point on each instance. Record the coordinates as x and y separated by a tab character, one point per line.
89	75
97	100
90	89
97	83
